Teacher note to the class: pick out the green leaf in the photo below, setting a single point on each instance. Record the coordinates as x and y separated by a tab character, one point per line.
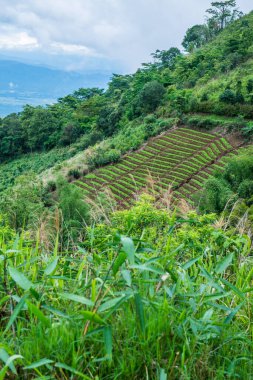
233	313
108	341
76	298
163	375
8	364
224	264
148	268
128	248
92	316
140	311
15	313
111	303
126	274
55	311
72	370
20	279
39	363
51	267
38	313
4	356
232	287
190	263
118	262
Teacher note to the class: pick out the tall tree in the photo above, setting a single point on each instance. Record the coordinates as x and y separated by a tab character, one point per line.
223	13
166	58
195	37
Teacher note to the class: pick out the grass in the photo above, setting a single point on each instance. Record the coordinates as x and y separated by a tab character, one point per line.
171	302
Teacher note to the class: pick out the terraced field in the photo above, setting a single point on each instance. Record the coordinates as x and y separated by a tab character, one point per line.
180	160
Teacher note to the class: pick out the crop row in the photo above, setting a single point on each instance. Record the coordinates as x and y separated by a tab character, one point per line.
180	158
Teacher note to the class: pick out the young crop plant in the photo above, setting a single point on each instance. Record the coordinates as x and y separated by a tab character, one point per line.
177	157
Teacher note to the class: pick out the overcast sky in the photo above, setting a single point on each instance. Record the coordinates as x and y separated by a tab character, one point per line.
116	35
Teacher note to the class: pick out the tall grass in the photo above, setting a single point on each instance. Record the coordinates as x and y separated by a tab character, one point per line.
172	302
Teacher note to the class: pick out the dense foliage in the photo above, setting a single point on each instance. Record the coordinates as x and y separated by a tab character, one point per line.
87	292
231	189
171	302
170	85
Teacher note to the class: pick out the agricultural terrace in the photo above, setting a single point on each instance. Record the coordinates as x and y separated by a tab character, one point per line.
180	160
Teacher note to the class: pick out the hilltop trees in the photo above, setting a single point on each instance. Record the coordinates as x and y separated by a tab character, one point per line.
220	15
223	13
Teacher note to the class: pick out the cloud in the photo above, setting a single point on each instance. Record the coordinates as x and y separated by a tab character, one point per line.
72	49
122	33
11	39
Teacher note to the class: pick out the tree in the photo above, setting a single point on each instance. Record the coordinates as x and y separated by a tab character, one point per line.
195	37
228	96
150	97
250	86
166	58
223	13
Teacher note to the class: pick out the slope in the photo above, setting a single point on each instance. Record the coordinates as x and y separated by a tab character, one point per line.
179	160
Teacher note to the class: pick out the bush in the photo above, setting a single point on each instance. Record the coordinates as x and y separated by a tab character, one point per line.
245	189
228	96
75	173
102	157
149	98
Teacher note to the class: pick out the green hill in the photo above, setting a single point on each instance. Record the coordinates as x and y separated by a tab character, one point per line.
179	161
104	272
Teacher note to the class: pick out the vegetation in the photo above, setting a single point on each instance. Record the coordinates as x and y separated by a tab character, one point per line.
172	302
160	289
180	159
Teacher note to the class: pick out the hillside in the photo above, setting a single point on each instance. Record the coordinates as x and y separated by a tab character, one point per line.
126	219
179	161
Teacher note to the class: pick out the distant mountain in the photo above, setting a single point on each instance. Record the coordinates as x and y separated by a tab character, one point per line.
22	84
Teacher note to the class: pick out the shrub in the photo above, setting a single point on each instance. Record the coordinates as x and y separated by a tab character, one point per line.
75	173
245	189
228	96
102	157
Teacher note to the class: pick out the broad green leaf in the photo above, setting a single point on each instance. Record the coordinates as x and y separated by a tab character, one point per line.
233	288
51	267
108	341
15	313
55	311
39	363
128	248
233	313
8	364
76	298
163	375
20	279
190	263
111	303
38	313
148	268
126	274
224	264
140	311
72	370
92	316
119	261
4	356
211	280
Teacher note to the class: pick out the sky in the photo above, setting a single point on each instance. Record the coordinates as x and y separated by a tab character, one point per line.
114	35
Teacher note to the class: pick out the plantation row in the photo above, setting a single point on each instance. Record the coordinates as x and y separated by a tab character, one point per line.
180	160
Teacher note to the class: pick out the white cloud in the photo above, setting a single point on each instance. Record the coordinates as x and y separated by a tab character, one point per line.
16	40
72	49
121	31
